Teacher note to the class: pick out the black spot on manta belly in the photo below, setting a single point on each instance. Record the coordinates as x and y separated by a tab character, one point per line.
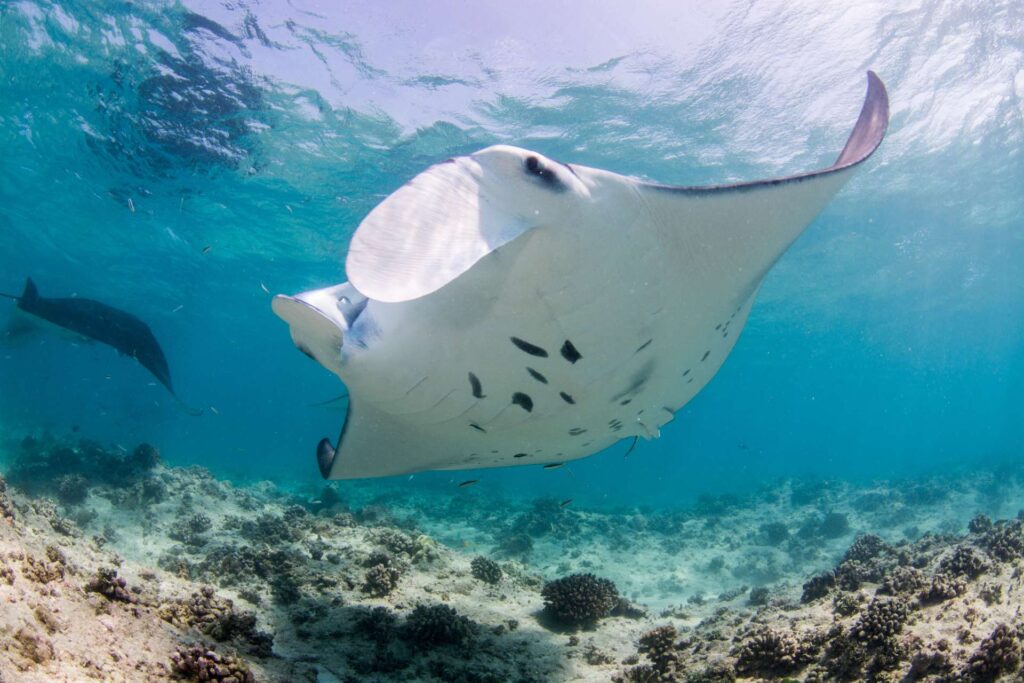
643	346
523	401
521	455
705	356
474	384
576	431
570	353
537	376
567	398
529	348
477	427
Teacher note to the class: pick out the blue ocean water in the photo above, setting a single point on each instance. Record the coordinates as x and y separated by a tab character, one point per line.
185	161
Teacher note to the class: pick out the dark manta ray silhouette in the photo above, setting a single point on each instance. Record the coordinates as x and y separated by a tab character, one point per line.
98	321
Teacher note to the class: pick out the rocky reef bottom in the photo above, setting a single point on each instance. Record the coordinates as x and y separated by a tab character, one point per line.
115	567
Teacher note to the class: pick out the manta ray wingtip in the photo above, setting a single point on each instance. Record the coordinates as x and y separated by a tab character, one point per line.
325	453
871	126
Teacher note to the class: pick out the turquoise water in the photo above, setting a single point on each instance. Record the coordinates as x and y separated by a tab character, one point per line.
173	160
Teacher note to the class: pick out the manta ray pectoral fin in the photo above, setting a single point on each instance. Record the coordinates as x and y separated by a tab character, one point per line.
430	231
318	320
374	443
741	230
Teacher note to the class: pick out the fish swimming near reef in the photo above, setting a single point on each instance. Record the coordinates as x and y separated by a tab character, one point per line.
96	321
505	308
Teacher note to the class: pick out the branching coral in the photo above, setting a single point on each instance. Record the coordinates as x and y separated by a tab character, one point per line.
217	618
203	664
903	581
381	580
485	570
107	583
942	587
579	599
769	652
431	625
883	618
964	561
999	653
866	547
1005	540
6	506
818	586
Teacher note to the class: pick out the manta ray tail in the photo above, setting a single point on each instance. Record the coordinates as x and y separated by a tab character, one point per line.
186	408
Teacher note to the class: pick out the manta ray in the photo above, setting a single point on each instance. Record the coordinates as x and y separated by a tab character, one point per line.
504	308
96	321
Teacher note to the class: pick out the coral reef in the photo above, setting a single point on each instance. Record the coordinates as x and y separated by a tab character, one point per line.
665	662
186	575
485	570
903	581
428	626
964	561
941	588
818	586
72	489
883	619
381	580
865	548
997	654
579	599
6	507
198	663
107	583
769	653
1005	541
217	617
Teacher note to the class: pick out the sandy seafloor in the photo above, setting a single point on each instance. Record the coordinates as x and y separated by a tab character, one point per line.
117	567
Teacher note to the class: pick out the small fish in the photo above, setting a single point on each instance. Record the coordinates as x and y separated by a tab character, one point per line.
214	410
178	308
131	205
468	482
288	207
553	465
206	249
120	448
565	503
264	288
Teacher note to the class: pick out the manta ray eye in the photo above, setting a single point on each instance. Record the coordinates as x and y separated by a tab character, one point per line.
536	168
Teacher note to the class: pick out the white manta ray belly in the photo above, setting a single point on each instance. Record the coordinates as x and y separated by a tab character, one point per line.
506	309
